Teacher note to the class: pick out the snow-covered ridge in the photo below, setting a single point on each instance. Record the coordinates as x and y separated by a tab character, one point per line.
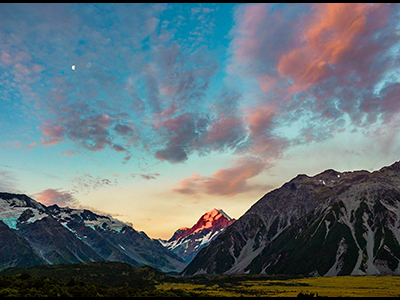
356	213
12	209
223	213
92	220
187	242
85	236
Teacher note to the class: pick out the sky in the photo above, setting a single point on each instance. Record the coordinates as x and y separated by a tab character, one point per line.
157	113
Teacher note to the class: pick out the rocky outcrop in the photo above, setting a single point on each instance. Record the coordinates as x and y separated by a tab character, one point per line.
330	224
187	242
37	234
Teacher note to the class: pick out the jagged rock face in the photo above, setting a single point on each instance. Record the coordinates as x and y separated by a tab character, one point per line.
15	251
187	242
37	234
329	224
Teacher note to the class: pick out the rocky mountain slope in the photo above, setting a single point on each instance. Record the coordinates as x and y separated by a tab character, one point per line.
329	224
187	242
33	234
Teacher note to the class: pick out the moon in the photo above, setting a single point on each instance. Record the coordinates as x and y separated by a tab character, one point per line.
73	67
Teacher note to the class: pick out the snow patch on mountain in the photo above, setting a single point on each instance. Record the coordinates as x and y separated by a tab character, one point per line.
353	217
94	237
247	254
12	209
336	268
94	221
187	242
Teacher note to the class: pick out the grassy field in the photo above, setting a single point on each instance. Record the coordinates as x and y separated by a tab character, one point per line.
342	286
115	279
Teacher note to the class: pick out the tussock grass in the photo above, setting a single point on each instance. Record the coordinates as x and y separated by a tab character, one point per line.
341	286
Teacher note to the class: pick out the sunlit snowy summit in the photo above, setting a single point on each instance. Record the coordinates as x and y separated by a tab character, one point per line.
333	223
187	242
33	234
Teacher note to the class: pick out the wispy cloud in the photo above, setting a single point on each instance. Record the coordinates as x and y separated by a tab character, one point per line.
8	181
146	176
56	196
150	78
319	66
227	182
87	183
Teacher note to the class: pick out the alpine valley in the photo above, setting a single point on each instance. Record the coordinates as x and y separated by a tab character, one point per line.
330	224
333	223
32	233
37	234
187	242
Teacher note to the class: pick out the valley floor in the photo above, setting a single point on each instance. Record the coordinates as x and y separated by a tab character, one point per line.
116	279
341	286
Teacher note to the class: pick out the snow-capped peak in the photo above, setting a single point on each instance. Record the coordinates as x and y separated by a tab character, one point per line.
12	206
187	242
223	213
215	214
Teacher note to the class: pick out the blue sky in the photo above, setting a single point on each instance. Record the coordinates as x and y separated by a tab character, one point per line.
156	113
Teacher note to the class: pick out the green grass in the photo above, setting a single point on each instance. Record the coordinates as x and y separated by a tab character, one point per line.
112	279
341	286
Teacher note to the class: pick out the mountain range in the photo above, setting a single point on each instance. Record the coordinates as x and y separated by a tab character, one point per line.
333	223
32	234
187	242
35	234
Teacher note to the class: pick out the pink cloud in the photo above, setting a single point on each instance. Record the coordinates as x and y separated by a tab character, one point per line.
105	120
53	133
227	182
52	141
167	112
68	153
390	101
250	44
222	129
260	119
267	82
335	40
262	142
5	57
55	196
173	124
190	185
32	144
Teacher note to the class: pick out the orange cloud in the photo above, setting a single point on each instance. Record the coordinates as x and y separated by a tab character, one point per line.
52	133
223	129
55	196
250	44
227	182
175	123
259	120
266	82
332	42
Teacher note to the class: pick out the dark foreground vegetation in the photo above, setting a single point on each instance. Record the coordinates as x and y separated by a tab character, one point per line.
98	279
114	279
25	285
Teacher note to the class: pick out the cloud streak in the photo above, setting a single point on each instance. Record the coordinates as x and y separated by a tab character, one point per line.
7	181
318	66
225	182
336	43
149	80
87	183
56	196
